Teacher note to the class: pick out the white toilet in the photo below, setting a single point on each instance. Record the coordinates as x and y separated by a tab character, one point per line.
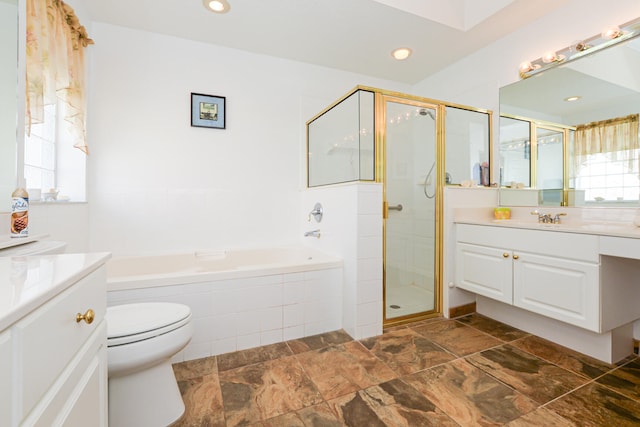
142	339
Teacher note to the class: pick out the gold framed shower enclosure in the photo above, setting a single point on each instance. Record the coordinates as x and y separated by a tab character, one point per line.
376	146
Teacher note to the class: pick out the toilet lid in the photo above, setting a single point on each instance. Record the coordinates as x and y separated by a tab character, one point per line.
130	322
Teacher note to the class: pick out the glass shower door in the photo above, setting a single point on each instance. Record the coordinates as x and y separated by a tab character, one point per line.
410	181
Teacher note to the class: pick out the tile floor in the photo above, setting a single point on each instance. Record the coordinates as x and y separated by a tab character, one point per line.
471	371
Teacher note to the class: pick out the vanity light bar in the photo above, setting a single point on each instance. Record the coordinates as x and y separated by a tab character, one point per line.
609	37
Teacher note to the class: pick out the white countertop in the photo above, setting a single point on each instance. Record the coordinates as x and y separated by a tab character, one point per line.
6	241
28	282
614	229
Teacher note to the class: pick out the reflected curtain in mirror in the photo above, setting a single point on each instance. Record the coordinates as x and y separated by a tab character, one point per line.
55	66
614	141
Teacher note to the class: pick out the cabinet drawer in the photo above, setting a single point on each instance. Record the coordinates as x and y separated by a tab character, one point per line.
50	337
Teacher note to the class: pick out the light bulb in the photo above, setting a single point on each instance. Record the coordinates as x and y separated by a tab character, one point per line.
611	32
401	53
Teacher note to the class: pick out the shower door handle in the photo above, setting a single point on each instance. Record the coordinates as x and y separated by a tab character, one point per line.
397	207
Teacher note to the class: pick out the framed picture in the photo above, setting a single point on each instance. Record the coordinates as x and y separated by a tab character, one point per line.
207	111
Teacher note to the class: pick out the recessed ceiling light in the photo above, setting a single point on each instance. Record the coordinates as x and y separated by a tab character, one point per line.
572	98
218	6
401	53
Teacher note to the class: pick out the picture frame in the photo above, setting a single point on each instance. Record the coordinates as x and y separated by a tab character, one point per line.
208	111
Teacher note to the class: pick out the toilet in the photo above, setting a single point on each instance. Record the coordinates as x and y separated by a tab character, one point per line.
142	338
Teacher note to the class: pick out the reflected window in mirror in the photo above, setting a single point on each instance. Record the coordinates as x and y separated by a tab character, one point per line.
606	160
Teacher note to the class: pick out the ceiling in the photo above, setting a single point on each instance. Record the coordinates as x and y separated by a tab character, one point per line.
350	35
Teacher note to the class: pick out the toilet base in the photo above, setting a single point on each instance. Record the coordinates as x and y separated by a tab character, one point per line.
146	398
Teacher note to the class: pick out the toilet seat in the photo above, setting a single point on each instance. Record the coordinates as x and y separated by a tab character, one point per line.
130	323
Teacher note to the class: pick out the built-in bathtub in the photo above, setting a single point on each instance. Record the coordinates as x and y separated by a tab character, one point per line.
239	299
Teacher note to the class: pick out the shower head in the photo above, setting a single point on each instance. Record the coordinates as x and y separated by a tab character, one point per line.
426	112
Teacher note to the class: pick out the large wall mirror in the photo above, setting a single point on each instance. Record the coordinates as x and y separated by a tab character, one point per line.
586	148
9	99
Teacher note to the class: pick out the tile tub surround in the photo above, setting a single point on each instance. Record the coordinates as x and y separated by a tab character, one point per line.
407	378
241	313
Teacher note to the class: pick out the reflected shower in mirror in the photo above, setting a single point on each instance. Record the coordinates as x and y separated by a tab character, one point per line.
9	99
468	146
590	91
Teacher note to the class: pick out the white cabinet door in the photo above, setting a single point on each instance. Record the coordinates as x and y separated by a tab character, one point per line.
563	289
485	271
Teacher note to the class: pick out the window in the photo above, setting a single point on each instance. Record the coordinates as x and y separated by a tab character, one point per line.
54	144
40	152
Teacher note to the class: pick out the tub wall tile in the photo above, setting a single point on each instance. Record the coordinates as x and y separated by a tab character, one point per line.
227	345
222	327
293	292
231	315
293	332
293	315
269	318
271	337
197	350
221	302
245	342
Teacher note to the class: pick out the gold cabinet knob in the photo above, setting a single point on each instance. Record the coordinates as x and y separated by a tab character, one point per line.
516	257
506	254
88	317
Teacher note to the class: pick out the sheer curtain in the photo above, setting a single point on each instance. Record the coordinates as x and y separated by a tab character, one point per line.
55	66
617	136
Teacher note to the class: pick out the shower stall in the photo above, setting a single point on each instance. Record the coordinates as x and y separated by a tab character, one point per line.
413	147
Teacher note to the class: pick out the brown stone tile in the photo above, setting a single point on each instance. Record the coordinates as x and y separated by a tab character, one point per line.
629	358
195	368
312	416
470	396
492	327
319	341
597	405
203	402
344	368
563	357
394	403
534	377
253	355
541	417
456	337
624	380
265	390
406	351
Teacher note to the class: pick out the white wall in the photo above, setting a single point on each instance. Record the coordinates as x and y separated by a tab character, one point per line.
158	185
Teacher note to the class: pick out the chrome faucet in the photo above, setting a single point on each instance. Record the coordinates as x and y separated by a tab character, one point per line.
547	218
312	233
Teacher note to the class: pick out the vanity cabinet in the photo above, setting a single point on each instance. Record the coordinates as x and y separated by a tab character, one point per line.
554	274
57	360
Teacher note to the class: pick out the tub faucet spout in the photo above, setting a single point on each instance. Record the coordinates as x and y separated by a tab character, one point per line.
312	233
